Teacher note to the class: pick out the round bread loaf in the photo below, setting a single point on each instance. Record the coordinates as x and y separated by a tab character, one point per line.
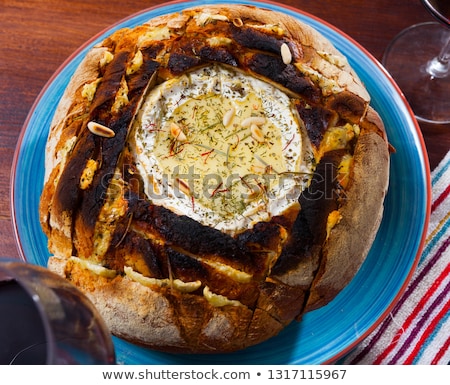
212	175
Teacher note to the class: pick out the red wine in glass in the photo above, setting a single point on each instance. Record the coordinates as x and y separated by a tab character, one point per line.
440	9
46	320
419	61
22	334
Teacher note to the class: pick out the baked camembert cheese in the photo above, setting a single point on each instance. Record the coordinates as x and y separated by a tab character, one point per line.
223	148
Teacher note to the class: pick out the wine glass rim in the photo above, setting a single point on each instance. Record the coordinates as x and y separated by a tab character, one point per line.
403	32
436	13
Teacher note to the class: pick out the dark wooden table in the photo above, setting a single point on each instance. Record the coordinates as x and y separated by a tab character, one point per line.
37	36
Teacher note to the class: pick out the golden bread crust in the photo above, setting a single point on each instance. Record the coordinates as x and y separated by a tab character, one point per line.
235	291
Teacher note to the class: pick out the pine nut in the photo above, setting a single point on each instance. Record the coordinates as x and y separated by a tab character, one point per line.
100	130
256	120
177	132
257	133
237	21
286	54
228	116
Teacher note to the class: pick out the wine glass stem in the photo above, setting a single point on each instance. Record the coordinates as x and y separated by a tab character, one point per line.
439	67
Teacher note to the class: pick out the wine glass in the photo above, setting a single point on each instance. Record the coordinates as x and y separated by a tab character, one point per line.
44	319
419	61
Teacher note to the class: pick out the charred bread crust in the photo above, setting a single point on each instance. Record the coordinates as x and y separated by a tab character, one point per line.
260	279
350	239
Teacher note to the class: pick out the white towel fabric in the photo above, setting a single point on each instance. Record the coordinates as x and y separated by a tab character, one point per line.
417	331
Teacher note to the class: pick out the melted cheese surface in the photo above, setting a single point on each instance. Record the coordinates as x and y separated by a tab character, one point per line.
221	147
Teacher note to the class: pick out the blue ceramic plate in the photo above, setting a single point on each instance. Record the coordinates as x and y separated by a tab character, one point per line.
325	334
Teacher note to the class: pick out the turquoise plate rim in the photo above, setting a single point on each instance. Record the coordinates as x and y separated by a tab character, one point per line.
326	334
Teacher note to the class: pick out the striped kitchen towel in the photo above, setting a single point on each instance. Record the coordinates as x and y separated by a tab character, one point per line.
417	331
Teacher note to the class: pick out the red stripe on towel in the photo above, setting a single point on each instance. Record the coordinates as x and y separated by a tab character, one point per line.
440	198
427	332
441	352
414	313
